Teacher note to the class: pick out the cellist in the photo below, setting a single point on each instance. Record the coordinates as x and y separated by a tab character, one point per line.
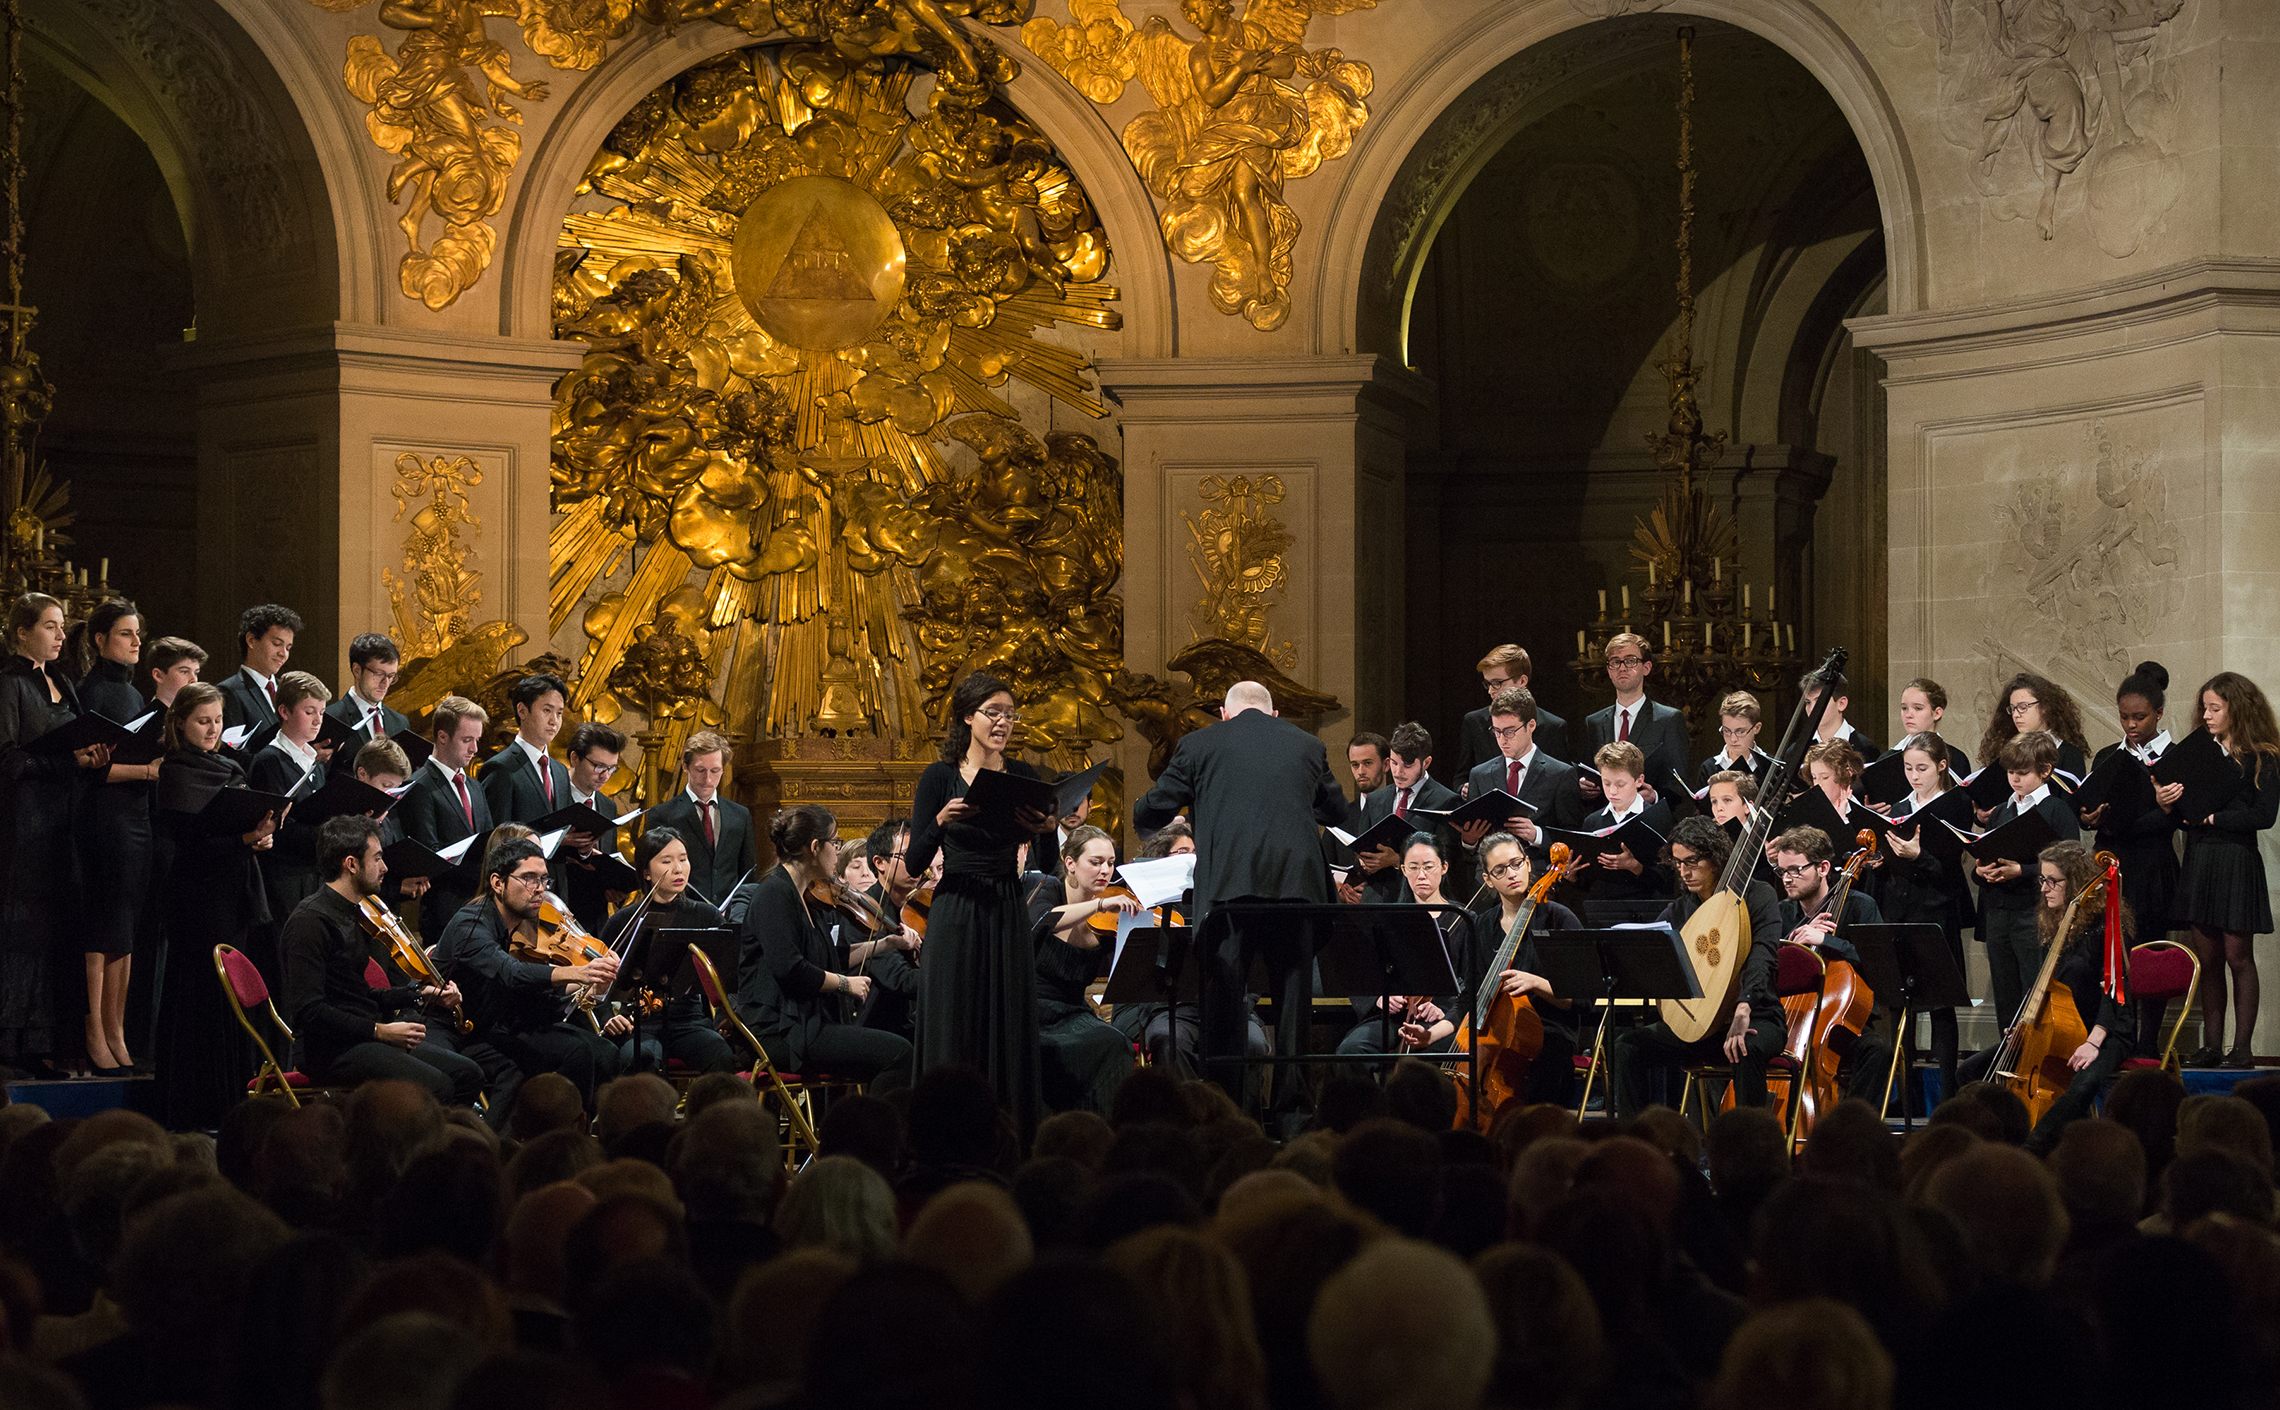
1504	862
1802	858
2093	963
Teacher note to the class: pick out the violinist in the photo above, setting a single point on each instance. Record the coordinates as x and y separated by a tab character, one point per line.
1699	850
1505	862
519	1006
793	989
350	1032
682	1030
1380	1019
894	969
2065	869
1085	1060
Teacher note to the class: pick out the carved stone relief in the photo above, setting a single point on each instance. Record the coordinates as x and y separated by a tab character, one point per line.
2065	112
1609	9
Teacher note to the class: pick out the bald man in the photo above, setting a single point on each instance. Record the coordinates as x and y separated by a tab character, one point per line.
1255	786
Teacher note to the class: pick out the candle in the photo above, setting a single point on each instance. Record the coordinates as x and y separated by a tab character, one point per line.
1650	572
1666	633
67	570
1603	602
83	577
1745	598
1579	648
1626	600
103	575
1715	567
1769	601
1745	636
1792	636
1705	636
1690	594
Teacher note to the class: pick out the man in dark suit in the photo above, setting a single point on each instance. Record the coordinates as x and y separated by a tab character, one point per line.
1409	756
1528	772
593	751
1739	723
723	849
1658	731
522	782
1501	670
442	806
373	662
1833	726
1366	758
265	635
1257	785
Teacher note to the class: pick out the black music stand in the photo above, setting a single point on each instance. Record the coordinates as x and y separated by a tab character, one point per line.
1643	965
1366	947
1152	967
1914	962
656	958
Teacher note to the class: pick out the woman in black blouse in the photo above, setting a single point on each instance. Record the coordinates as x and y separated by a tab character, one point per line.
977	994
42	796
682	1031
115	845
2221	892
211	895
793	990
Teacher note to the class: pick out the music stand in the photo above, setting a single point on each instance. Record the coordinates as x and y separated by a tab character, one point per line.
1648	965
1151	967
657	958
1915	962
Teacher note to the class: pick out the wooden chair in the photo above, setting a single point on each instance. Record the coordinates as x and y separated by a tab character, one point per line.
1799	979
790	1089
2164	970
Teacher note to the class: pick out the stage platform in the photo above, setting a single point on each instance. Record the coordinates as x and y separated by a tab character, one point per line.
87	1095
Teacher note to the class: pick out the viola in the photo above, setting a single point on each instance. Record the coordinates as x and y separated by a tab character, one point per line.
838	895
411	958
559	940
2032	1058
1503	1033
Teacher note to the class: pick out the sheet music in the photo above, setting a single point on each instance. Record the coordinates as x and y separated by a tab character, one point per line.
457	851
1159	881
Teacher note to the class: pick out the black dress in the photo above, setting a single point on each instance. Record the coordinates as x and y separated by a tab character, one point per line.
115	846
211	895
2147	849
41	796
977	995
2222	887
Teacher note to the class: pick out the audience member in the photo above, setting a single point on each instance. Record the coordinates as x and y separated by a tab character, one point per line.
1403	1324
973	1235
841	1204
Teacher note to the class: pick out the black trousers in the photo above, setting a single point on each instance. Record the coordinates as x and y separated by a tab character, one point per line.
1636	1050
1085	1060
574	1050
455	1080
696	1045
2014	957
1227	1017
866	1055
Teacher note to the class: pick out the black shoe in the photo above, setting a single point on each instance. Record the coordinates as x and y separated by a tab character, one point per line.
2240	1057
2209	1056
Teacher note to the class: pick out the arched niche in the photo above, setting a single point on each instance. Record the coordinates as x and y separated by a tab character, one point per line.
1428	139
651	56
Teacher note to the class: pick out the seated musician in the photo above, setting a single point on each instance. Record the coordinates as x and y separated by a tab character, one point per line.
893	969
1379	1019
1505	862
682	1031
521	1008
1699	850
1164	1030
349	1031
1084	1059
794	991
1805	860
1615	874
2066	869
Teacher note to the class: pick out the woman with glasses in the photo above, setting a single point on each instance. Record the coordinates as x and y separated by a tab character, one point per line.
977	996
2029	702
795	993
1380	1018
682	1030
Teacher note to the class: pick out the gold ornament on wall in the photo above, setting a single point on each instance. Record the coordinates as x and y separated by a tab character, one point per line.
1239	550
803	286
438	596
1240	109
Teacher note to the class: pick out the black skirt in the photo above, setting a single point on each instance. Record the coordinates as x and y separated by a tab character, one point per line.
2222	886
977	990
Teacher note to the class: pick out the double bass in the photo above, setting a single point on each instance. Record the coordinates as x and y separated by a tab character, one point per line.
1503	1033
2031	1059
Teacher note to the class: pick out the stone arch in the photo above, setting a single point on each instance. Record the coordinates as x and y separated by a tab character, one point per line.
234	142
1423	148
651	56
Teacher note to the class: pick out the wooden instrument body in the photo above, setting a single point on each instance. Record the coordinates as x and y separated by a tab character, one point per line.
410	956
1507	1046
1717	939
2041	1075
1845	1007
916	908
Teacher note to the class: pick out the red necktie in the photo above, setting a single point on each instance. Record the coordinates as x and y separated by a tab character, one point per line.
1401	805
466	805
1622	726
704	811
1512	778
271	687
372	723
546	779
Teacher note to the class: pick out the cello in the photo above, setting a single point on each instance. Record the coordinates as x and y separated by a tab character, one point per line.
1844	1009
1503	1033
2031	1060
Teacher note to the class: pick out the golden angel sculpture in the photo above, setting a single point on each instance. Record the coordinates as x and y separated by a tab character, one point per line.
1232	125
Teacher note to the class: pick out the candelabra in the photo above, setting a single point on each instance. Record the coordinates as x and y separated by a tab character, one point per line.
1707	637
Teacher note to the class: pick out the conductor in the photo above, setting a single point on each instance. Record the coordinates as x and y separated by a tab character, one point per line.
1257	786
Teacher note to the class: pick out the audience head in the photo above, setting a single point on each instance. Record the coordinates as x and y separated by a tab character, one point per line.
869	1129
773	1320
1421	1095
1817	1354
409	1358
953	1118
2008	1207
1392	1170
1404	1326
1200	1298
972	1234
841	1204
728	1163
2215	1181
1550	1349
546	1101
1851	1142
2100	1170
2213	1122
1082	1136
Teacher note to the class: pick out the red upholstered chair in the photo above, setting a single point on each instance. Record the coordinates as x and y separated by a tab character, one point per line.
242	982
789	1089
2164	970
374	976
1799	975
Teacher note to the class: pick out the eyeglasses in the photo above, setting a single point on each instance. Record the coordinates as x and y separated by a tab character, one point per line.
2050	883
1792	873
1688	863
1002	717
1508	869
1420	868
1497	685
1737	732
1508	732
2020	707
601	770
1625	663
893	856
527	878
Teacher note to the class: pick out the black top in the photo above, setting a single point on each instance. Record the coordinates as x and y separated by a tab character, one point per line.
1765	937
2251	811
245	701
787	959
1063	969
351	712
1659	730
2082	969
36	790
1257	786
289	864
1476	740
1484	935
500	993
1376	806
512	786
430	814
1925	889
975	850
683	912
1860	909
718	867
326	998
1653	881
1546	782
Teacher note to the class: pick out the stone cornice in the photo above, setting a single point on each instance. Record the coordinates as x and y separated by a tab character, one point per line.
2194	288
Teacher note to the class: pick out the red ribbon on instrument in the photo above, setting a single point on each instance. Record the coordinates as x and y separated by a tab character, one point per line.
2117	954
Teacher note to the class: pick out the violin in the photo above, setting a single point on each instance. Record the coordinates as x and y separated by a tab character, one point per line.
2032	1058
560	940
1105	921
831	892
1503	1033
916	909
411	958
